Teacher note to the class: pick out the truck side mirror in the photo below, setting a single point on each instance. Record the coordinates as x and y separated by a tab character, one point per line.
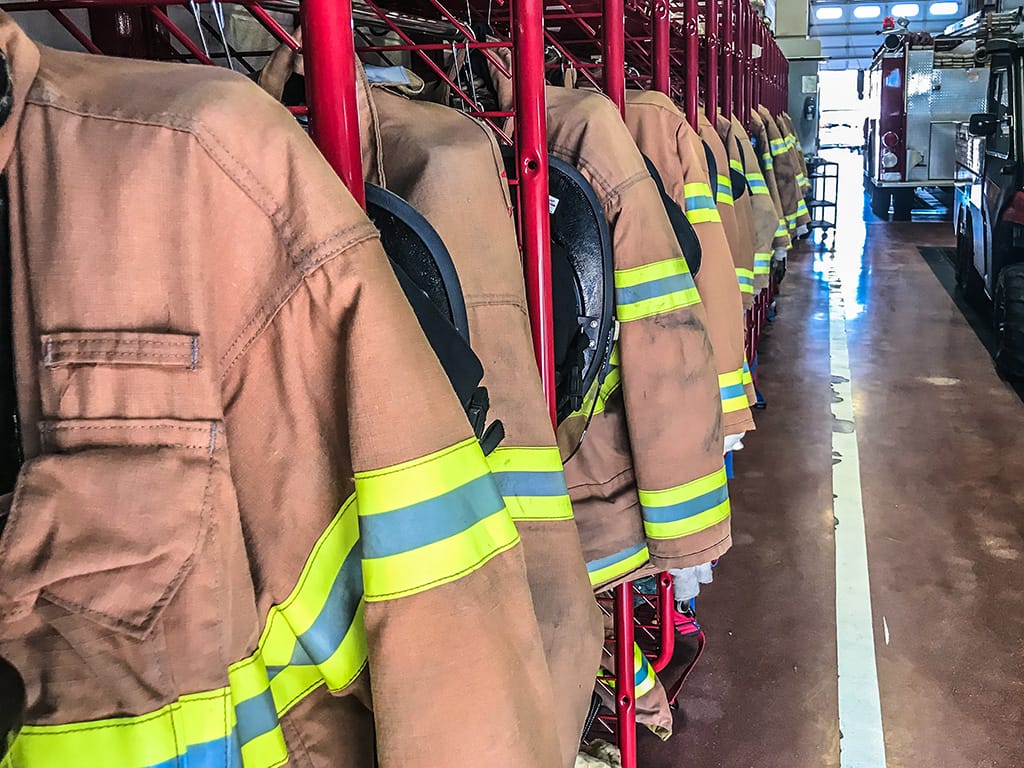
982	124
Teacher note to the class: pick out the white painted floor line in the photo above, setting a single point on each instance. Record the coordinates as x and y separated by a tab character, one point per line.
862	744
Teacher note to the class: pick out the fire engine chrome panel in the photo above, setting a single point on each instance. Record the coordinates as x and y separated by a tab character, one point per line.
937	99
919	113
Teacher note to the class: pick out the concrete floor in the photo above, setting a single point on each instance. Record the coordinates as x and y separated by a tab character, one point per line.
941	443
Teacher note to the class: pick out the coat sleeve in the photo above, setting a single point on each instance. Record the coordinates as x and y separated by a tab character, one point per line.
669	386
717	283
436	595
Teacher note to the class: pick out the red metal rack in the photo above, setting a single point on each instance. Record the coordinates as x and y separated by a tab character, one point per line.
718	49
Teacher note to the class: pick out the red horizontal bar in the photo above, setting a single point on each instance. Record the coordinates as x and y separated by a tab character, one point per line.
473	46
63	5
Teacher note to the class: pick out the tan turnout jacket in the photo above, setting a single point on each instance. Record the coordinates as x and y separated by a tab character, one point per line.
448	166
743	255
253	523
662	133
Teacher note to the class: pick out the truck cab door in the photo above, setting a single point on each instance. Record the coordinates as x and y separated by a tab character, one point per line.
1000	178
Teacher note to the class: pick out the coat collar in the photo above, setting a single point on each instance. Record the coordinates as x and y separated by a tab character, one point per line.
19	63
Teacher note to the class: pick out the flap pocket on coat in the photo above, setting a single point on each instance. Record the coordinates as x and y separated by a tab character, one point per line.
70	348
107	522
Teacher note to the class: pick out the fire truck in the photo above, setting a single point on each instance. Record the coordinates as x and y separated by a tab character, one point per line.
989	210
919	89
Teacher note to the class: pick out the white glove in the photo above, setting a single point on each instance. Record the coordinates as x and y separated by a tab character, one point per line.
686	581
733	443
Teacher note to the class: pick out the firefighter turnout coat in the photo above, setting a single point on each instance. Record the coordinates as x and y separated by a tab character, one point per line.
253	527
662	133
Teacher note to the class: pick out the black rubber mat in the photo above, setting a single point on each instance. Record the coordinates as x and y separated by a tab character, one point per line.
942	260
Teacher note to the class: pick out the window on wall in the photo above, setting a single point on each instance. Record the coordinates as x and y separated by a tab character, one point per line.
944	9
828	13
867	11
907	10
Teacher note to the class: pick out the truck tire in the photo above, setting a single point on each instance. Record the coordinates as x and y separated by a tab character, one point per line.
1009	322
902	204
880	197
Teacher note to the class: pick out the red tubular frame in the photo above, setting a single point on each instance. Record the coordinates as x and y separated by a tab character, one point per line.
757	38
743	83
660	32
613	49
665	50
329	54
692	66
614	62
532	155
711	48
728	58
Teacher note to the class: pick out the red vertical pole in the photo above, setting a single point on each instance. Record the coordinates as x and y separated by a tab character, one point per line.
743	80
785	83
613	47
660	34
692	59
774	64
728	32
711	60
532	154
757	40
613	42
625	690
330	59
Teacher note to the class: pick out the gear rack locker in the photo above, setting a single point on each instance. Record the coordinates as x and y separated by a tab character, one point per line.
612	44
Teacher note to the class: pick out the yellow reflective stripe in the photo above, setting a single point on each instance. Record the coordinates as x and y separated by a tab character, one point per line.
314	636
686	509
697	193
762	263
419	480
440	562
644	678
730	379
745	278
611	381
257	751
703	216
429	521
734	404
734	396
767	157
532	482
725	190
653	289
747	377
155	738
700	203
618	564
801	208
758	186
736	165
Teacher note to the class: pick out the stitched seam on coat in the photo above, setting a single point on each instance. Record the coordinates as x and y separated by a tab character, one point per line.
264	316
717	544
306	260
603	483
172	585
190	126
613	192
208	140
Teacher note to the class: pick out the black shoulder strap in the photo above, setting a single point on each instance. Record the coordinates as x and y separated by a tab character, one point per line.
11	456
712	169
